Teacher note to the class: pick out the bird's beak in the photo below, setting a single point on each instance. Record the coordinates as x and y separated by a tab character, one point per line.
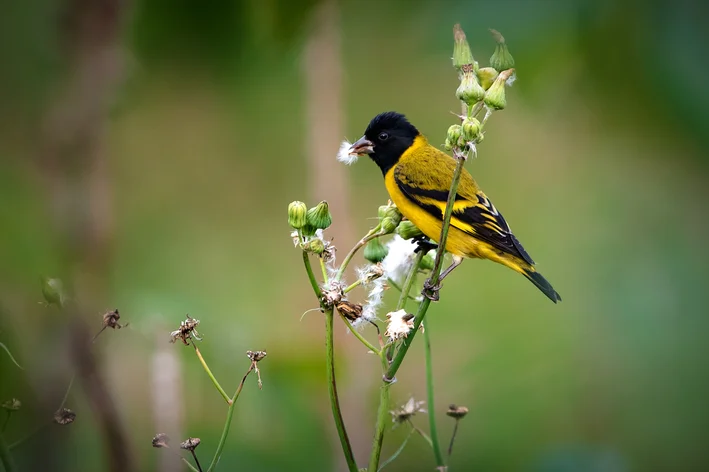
362	146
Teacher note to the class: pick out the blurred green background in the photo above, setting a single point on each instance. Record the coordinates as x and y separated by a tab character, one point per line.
148	151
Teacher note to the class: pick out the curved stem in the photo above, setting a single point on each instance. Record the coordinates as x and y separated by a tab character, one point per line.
373	234
190	466
311	276
400	289
382	416
435	273
227	423
430	401
211	375
398	451
332	390
352	286
357	335
68	390
323	268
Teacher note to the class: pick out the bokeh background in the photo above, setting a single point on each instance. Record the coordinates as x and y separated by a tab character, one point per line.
148	151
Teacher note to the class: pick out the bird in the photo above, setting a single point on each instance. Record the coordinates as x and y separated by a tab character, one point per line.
418	178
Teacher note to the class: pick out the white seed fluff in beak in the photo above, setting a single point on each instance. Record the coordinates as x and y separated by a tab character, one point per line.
343	155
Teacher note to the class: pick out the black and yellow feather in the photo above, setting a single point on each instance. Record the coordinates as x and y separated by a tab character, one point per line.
418	178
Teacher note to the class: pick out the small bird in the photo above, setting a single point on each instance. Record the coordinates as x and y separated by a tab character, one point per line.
418	178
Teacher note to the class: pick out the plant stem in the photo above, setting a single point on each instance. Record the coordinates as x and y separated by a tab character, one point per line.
196	461
423	435
229	416
429	394
455	431
435	274
409	281
398	451
373	234
311	276
400	289
382	415
211	375
352	286
192	468
357	335
68	389
5	456
332	390
323	268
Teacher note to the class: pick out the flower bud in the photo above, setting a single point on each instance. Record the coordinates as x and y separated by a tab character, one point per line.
427	262
495	96
388	225
319	216
315	245
53	291
486	76
471	129
457	412
461	50
454	133
469	90
390	211
501	59
308	230
296	214
375	251
408	230
448	145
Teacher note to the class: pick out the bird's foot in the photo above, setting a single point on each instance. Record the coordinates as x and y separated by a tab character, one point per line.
423	244
431	291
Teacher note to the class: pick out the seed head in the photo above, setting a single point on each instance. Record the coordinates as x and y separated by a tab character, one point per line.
399	324
186	331
161	440
255	356
64	416
407	410
190	444
457	412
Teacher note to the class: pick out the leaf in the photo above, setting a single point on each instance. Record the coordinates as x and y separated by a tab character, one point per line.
11	357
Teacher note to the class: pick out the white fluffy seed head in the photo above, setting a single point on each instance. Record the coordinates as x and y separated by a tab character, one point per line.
343	155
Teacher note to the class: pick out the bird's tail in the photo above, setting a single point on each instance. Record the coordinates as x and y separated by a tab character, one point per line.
542	284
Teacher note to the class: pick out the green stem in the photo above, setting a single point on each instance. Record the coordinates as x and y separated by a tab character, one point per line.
332	390
398	451
5	456
227	423
382	416
429	393
455	431
373	234
68	389
357	335
399	288
323	268
187	463
353	286
405	290
435	273
211	375
424	436
311	276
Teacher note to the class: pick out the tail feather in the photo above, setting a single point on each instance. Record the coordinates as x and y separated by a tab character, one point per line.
542	284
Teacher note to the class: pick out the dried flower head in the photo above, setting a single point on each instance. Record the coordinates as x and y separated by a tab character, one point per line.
64	416
11	405
187	331
255	356
332	294
399	324
370	273
457	412
190	444
161	440
110	319
407	410
351	311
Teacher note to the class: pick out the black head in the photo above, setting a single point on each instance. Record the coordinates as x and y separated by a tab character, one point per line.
386	138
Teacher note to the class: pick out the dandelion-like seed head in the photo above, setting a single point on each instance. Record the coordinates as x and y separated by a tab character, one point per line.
399	259
110	319
255	356
161	440
186	331
407	411
399	324
457	412
190	444
343	154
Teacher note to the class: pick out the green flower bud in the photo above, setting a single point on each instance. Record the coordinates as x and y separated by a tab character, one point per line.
454	133
461	50
375	251
486	76
501	59
448	145
427	262
495	96
390	211
296	214
388	225
471	129
316	246
408	230
53	291
319	216
469	90
308	230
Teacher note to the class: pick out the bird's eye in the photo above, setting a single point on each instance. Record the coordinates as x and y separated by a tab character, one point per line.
383	136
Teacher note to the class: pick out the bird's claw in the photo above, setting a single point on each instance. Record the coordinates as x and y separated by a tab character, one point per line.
431	291
423	244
